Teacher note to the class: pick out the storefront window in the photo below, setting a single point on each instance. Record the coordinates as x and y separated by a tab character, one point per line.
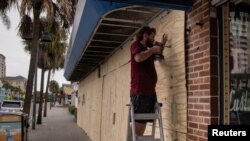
239	63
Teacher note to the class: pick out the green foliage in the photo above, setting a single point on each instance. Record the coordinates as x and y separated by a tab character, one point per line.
7	85
72	110
54	87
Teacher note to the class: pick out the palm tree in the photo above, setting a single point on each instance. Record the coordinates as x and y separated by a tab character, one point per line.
54	88
56	59
50	57
58	12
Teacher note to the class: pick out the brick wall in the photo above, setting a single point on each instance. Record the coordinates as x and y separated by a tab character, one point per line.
202	70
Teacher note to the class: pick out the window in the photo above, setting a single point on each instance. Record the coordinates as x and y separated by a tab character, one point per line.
239	63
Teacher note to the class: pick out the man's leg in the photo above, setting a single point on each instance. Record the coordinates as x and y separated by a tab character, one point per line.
140	128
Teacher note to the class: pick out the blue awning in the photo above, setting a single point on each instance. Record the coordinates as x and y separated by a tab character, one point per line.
101	26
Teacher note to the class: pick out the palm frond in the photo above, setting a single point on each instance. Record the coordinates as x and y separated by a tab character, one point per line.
27	46
47	7
5	19
25	7
6	5
25	27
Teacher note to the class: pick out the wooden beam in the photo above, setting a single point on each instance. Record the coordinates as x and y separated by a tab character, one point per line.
123	20
107	41
111	34
119	25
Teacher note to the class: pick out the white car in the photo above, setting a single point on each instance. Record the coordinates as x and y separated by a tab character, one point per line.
12	106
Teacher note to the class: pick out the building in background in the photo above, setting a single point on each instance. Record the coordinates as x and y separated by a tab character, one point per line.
17	81
74	97
67	93
2	66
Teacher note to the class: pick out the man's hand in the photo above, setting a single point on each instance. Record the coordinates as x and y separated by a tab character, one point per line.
164	39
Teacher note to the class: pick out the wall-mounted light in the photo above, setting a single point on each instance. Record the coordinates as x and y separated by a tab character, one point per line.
200	23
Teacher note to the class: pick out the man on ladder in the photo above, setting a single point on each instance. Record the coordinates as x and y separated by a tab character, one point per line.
143	75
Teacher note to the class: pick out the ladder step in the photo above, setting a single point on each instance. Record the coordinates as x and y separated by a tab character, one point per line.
147	138
149	116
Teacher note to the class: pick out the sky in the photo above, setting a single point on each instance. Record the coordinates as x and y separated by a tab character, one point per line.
16	59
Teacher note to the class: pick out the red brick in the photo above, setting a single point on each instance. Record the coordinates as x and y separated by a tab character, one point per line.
197	4
198	81
203	126
199	133
198	68
206	66
192	137
198	106
193	112
197	43
193	75
206	107
190	81
190	93
204	73
190	106
205	100
206	80
191	69
204	47
190	57
207	121
192	99
204	33
198	55
192	125
197	119
204	113
206	13
204	60
205	133
204	86
193	63
190	131
202	139
193	87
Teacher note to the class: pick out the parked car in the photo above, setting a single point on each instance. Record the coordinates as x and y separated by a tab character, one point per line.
12	106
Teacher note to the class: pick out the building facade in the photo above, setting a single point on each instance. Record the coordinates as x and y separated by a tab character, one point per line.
203	79
67	93
17	81
2	66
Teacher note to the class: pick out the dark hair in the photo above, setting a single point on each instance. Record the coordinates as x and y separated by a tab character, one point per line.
146	29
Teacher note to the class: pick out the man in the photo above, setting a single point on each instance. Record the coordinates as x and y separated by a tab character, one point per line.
143	74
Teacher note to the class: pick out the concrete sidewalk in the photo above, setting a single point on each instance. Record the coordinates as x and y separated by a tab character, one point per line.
58	126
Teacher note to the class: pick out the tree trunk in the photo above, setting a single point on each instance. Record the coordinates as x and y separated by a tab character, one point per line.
33	64
46	96
34	103
39	118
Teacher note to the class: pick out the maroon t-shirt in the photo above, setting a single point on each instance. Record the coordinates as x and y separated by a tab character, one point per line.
143	74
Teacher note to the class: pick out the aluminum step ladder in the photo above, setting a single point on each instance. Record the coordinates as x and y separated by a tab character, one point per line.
145	116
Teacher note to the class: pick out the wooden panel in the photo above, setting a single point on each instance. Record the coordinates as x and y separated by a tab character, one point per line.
90	95
10	118
171	85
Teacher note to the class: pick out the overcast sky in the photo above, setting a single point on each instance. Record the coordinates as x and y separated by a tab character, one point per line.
17	60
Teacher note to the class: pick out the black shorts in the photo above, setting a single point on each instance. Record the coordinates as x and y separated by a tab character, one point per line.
143	104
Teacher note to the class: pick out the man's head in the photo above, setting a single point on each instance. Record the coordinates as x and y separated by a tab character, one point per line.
147	35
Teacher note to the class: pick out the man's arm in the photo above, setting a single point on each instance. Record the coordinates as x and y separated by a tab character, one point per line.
142	56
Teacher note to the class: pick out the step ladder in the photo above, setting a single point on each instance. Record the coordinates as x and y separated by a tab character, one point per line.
145	116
